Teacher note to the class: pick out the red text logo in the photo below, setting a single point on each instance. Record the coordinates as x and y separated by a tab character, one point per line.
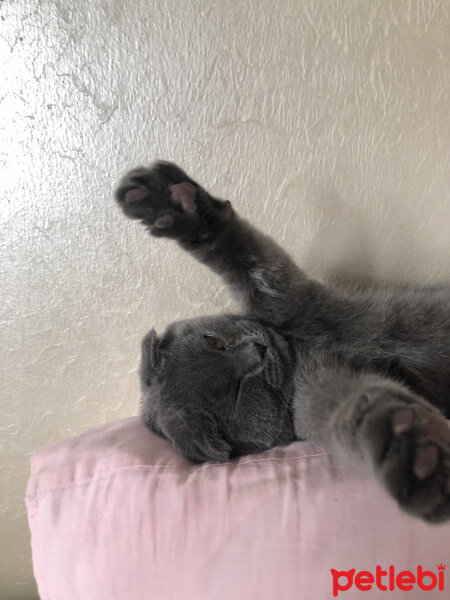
388	579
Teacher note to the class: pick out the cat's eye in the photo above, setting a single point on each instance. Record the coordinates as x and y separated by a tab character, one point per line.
214	342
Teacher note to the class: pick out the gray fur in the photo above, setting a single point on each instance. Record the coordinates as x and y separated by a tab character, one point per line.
366	372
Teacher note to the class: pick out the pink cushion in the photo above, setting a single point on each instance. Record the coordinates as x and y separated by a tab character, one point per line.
116	514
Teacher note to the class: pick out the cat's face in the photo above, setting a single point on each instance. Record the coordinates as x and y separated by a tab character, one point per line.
218	387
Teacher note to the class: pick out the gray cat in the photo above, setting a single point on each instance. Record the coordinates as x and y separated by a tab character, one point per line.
367	372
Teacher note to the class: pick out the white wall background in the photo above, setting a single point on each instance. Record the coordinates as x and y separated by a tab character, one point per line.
325	121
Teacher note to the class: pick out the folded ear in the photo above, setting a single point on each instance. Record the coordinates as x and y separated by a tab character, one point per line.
150	357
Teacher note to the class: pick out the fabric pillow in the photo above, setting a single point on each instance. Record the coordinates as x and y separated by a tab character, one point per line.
116	514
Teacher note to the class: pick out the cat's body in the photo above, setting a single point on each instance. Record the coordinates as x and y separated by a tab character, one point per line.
367	372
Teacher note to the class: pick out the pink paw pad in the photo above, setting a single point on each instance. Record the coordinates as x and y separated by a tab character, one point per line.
164	222
426	461
134	195
184	194
402	421
438	430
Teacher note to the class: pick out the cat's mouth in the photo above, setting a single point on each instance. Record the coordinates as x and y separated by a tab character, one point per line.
237	395
240	394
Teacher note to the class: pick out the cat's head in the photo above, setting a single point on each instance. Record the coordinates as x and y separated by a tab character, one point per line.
218	387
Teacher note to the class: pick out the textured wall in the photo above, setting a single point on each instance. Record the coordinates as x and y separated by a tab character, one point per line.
325	121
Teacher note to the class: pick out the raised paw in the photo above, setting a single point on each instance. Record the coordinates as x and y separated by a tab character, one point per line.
169	202
410	445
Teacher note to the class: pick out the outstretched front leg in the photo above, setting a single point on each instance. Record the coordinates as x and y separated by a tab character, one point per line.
261	275
400	436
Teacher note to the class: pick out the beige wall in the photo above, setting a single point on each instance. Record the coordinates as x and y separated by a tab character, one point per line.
325	121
